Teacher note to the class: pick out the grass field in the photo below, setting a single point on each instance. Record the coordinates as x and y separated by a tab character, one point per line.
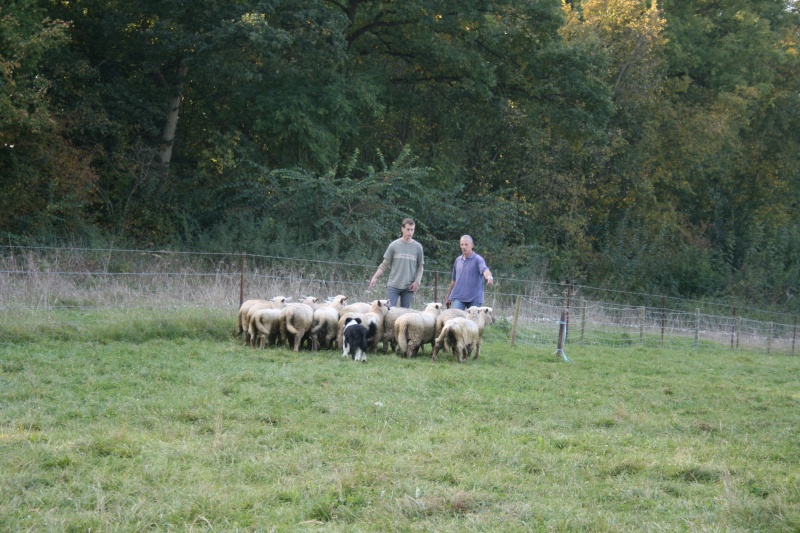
150	426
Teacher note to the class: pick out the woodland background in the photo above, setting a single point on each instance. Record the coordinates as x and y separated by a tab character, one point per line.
617	143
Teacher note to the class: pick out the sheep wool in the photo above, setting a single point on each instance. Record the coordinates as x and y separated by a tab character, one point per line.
413	330
459	335
296	320
249	307
264	328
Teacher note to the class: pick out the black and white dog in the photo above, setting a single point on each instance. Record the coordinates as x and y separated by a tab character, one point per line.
354	341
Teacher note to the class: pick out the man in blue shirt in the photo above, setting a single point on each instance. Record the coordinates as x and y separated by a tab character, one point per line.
469	273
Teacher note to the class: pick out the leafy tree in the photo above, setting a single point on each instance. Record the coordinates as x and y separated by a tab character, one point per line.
46	181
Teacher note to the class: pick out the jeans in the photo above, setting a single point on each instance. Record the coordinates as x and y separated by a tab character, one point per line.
458	304
405	295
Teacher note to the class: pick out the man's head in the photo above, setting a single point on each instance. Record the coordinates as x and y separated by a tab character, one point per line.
466	244
408	229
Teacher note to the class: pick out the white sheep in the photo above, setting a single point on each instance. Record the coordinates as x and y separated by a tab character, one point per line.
388	326
357	307
296	320
264	327
326	323
460	335
249	307
412	330
446	315
482	316
372	320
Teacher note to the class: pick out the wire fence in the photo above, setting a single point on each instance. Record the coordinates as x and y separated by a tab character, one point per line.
65	284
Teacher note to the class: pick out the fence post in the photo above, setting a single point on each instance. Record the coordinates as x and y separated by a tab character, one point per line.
436	287
583	318
569	303
733	331
738	330
794	334
769	338
697	328
515	323
641	325
663	317
241	283
562	332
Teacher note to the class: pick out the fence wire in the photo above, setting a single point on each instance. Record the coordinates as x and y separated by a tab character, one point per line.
66	284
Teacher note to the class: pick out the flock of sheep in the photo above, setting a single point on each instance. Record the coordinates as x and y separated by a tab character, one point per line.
318	326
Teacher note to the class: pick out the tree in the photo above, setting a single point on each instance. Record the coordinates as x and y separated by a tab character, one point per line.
46	181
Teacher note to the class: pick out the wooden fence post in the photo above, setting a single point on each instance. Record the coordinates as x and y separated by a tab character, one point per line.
733	331
738	326
641	325
697	328
583	318
241	283
663	317
794	334
769	338
436	287
515	323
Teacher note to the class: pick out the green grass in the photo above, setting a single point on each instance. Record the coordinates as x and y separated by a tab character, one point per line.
115	429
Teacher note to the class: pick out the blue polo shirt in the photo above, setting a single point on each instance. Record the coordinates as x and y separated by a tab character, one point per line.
468	275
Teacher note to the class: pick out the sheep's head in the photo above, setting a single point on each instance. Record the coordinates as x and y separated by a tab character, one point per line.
485	312
433	308
380	306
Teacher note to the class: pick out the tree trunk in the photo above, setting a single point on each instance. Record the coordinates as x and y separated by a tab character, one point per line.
168	135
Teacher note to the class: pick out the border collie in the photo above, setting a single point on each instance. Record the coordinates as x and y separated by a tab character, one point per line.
354	341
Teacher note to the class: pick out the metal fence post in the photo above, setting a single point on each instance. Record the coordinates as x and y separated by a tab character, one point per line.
562	332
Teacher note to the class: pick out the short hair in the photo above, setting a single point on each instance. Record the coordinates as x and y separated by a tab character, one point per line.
469	238
407	222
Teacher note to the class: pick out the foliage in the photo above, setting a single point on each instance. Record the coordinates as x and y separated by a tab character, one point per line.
46	180
582	139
